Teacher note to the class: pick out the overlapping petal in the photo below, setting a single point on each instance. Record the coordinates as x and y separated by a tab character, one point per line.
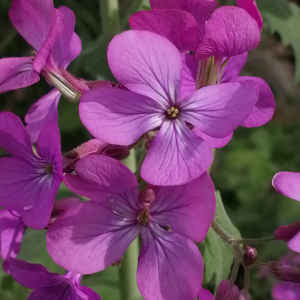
218	110
233	67
89	237
288	184
230	31
16	73
148	64
189	75
168	255
188	209
213	142
75	48
205	295
176	156
119	116
177	26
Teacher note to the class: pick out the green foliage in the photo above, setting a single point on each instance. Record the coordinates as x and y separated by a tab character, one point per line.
283	17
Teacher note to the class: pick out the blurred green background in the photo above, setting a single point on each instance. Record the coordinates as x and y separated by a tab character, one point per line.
242	170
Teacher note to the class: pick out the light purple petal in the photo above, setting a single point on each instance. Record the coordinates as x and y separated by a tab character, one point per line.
16	73
99	176
189	75
294	243
33	19
288	184
176	156
234	67
88	238
41	112
213	142
32	276
264	108
205	295
286	291
188	209
219	109
170	266
251	8
119	116
230	31
179	27
13	137
11	234
148	64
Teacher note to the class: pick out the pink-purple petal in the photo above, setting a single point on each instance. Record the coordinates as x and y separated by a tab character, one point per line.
179	27
88	238
294	243
176	156
288	184
188	209
118	116
189	75
205	295
286	291
148	64
213	142
168	255
230	31
16	73
234	67
75	48
219	109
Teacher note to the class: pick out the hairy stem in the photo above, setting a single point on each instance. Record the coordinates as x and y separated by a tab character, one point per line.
254	241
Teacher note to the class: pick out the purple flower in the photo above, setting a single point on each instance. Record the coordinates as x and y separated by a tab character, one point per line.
92	235
29	182
286	291
50	286
150	67
50	32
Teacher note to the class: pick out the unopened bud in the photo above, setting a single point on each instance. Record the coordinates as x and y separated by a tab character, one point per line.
147	196
227	292
249	257
287	232
282	272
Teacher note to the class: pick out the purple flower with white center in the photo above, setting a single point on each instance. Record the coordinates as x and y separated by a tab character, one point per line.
50	286
29	182
150	67
92	235
50	32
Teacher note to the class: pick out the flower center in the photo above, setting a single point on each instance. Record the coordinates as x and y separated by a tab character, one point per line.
143	217
49	169
172	112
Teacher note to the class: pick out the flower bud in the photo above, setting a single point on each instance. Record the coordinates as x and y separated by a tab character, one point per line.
249	257
282	272
287	232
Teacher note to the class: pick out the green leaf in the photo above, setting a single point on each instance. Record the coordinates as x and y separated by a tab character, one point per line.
283	17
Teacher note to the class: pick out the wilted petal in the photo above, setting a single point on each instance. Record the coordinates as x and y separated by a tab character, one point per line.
188	209
264	108
148	64
118	116
230	31
168	255
219	109
88	238
288	184
234	67
16	73
251	8
176	156
213	142
33	20
41	112
98	177
179	27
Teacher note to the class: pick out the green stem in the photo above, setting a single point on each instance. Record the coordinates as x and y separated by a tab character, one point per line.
247	279
110	18
255	241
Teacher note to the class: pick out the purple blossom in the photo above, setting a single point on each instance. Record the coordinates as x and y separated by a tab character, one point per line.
50	286
93	235
150	67
50	32
28	181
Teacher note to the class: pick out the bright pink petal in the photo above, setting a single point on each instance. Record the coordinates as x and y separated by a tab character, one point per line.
11	234
13	137
99	177
230	31
213	142
176	156
264	108
167	255
41	112
188	209
75	48
179	27
16	73
148	64
205	295
234	67
251	8
219	109
88	238
118	116
33	19
288	184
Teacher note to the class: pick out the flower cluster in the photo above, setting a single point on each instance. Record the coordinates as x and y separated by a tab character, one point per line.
179	95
